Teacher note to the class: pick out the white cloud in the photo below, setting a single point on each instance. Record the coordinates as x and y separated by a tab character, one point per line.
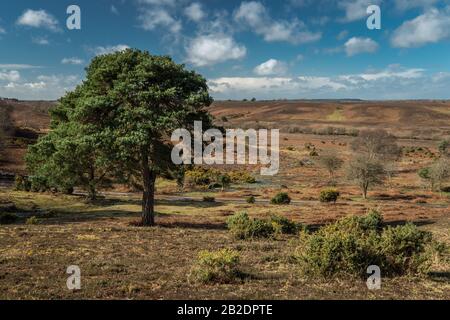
430	27
214	48
74	60
40	41
109	49
158	17
392	73
11	76
114	10
357	45
273	86
255	16
342	35
17	66
271	67
356	9
194	12
38	19
393	82
410	4
440	76
159	2
2	30
45	87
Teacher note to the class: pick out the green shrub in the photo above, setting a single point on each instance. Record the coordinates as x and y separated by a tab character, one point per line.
350	245
424	173
404	248
373	220
242	227
283	225
329	195
209	199
8	217
260	229
251	199
220	266
314	153
39	184
224	180
32	220
281	198
22	183
241	176
200	176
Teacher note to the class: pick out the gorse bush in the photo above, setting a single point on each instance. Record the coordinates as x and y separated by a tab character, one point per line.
350	245
250	199
281	198
404	248
220	266
283	225
373	220
32	220
199	176
242	227
39	184
329	195
209	199
22	183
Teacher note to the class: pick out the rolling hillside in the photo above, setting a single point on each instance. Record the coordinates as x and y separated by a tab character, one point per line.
418	120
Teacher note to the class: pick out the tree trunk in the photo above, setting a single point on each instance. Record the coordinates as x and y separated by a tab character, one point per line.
92	192
148	196
365	188
92	187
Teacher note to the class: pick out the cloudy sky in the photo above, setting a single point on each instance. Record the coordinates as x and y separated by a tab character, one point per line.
263	49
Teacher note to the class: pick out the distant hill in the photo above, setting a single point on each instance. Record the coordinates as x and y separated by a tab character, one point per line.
24	122
415	119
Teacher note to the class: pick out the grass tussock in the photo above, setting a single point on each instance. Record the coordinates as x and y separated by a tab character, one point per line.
221	266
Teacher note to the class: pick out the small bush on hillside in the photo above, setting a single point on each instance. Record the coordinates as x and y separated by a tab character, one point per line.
199	176
209	199
329	195
250	199
32	220
283	225
281	198
22	183
8	217
241	177
313	153
350	245
39	184
242	227
373	220
220	266
402	247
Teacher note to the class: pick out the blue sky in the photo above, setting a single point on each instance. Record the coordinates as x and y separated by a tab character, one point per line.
263	49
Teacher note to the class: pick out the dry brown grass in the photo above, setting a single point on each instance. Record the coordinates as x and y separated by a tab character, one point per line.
119	261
